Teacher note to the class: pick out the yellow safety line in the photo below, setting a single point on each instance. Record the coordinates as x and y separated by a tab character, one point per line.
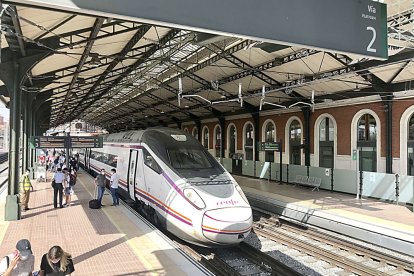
3	229
3	223
130	242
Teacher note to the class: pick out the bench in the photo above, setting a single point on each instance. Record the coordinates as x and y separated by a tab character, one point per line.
310	181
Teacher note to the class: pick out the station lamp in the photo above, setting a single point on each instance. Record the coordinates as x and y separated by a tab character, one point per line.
95	61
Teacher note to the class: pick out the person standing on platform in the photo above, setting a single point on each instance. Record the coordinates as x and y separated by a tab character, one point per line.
24	188
67	188
20	262
59	177
73	165
100	182
56	262
114	187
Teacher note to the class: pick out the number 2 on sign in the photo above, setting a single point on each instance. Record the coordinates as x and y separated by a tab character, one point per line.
374	36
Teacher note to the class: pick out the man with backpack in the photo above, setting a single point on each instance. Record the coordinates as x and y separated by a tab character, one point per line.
20	262
68	183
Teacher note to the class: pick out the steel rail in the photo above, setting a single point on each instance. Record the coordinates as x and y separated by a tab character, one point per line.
359	250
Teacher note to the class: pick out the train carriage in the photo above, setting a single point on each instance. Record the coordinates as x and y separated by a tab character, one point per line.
177	182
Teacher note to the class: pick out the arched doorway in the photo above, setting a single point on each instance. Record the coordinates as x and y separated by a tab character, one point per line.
367	143
410	146
231	145
326	143
269	136
205	137
248	141
217	141
295	136
195	132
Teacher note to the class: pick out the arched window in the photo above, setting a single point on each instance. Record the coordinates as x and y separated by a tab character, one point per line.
195	132
248	141
232	141
367	143
326	143
410	146
205	137
270	136
295	137
217	139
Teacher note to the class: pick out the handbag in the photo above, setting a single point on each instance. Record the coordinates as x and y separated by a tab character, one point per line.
53	184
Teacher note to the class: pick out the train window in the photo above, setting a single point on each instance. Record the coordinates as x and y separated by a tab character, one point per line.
150	162
182	158
106	158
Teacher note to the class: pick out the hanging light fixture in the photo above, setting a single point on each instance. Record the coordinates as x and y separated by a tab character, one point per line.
95	61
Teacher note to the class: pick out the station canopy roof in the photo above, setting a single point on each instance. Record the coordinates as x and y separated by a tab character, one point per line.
121	75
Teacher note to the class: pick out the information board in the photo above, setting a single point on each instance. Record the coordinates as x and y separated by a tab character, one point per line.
269	146
86	142
49	142
67	142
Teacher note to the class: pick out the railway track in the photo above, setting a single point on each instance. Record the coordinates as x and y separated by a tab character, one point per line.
4	156
245	259
349	258
239	260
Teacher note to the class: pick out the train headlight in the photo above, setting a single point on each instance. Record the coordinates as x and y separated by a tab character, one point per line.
241	193
194	198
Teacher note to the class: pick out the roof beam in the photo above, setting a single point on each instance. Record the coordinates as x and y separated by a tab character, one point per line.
131	43
193	69
163	41
96	28
58	25
18	30
364	66
264	66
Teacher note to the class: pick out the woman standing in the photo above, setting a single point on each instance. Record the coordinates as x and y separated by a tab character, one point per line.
56	263
68	191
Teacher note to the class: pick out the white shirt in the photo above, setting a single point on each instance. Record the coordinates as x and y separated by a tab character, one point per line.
59	177
23	268
114	181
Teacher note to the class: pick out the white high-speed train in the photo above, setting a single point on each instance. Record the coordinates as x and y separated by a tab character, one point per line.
177	183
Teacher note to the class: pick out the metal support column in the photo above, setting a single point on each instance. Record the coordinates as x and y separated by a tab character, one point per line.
200	134
179	125
12	211
13	73
222	122
307	139
23	108
256	125
388	136
27	111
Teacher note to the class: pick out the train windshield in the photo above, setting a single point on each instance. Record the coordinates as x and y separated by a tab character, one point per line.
182	158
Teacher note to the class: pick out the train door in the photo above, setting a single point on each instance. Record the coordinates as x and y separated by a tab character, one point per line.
152	175
139	173
132	167
88	160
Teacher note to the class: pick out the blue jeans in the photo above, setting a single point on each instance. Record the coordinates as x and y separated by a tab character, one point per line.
115	196
101	191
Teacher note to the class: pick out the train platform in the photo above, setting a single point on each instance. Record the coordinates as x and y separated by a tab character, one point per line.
109	241
381	223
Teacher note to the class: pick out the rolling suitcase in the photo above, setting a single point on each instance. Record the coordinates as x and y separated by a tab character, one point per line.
94	203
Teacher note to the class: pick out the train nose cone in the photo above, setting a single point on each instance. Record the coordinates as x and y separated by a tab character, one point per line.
227	225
